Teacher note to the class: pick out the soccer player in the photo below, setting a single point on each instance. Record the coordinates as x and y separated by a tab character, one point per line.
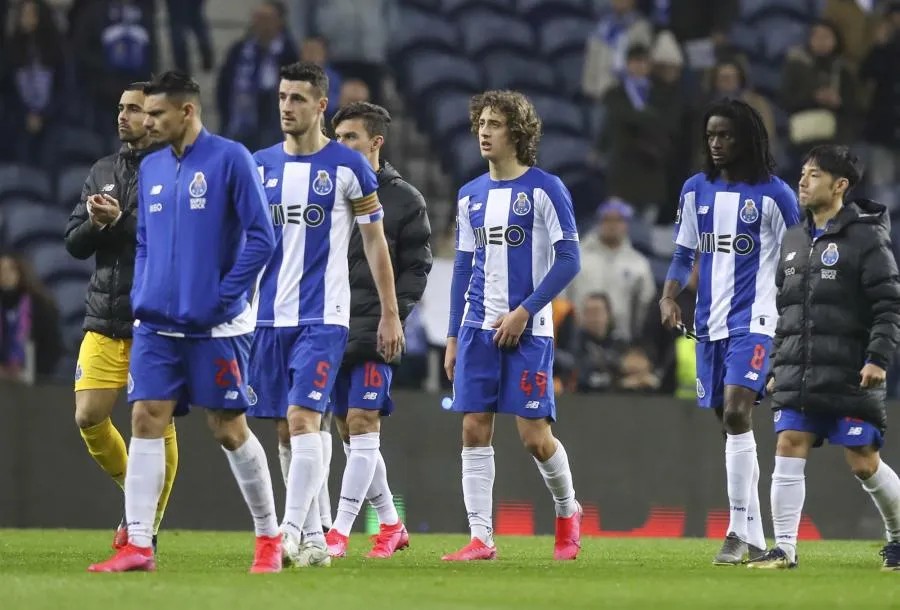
838	330
735	213
362	393
104	225
203	236
516	249
315	189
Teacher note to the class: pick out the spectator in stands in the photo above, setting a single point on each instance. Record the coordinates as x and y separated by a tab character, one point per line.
599	349
359	35
855	25
882	129
699	25
116	44
728	79
315	50
30	340
247	91
565	341
610	264
636	372
188	16
34	78
354	90
819	90
606	50
637	136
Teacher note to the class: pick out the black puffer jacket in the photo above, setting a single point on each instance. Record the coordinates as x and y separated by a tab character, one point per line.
408	234
839	306
108	302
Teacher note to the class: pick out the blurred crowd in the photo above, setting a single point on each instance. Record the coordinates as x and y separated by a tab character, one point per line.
816	70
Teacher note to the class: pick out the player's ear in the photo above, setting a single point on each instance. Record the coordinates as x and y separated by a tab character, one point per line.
841	185
377	143
323	104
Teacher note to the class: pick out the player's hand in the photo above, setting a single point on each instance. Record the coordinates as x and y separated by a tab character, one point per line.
390	337
669	312
105	209
770	385
872	375
510	327
450	358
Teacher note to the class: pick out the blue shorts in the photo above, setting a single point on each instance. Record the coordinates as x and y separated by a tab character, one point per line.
517	381
207	373
294	365
741	361
363	386
843	431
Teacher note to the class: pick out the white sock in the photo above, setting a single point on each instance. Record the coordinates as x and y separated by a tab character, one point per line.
312	527
324	496
558	478
304	481
284	457
740	455
788	494
380	496
357	478
478	490
884	487
144	480
755	532
251	471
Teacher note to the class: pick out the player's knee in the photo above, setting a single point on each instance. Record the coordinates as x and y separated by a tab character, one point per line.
736	419
229	431
342	428
283	431
361	421
93	406
86	417
792	444
303	421
538	441
863	462
478	429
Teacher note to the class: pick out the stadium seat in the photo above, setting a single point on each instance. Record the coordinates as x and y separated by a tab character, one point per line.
70	299
560	36
27	224
660	268
420	30
69	185
767	78
540	11
459	7
433	6
24	181
74	145
507	71
569	68
466	159
753	10
559	114
53	264
641	236
483	32
559	152
746	39
449	116
431	72
780	34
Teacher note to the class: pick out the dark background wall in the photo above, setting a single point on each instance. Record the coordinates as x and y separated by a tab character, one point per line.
642	466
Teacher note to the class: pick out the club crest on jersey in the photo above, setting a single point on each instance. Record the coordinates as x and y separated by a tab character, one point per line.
749	213
322	185
522	205
831	255
197	187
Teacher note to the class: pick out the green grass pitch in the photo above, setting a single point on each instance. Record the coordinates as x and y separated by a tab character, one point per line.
208	570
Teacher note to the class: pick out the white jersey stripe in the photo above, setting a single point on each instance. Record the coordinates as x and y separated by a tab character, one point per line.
543	236
725	208
496	278
294	191
763	313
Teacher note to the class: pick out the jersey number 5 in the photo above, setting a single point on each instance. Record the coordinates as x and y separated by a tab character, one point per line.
528	386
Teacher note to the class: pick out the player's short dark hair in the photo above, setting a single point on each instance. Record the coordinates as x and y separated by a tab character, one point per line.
140	85
838	161
376	118
637	51
522	120
757	164
174	84
306	72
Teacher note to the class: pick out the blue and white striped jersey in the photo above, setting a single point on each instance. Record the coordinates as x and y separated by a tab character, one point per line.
313	200
511	226
738	229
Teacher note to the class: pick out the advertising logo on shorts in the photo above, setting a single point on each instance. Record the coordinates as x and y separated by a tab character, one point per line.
749	213
701	392
522	205
831	255
130	383
323	185
252	398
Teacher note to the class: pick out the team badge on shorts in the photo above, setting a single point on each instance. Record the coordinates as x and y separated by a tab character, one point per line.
198	185
831	255
130	383
522	205
78	372
749	213
252	398
777	416
701	392
322	185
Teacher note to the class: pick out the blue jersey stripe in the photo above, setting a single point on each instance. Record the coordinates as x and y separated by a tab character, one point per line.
519	258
